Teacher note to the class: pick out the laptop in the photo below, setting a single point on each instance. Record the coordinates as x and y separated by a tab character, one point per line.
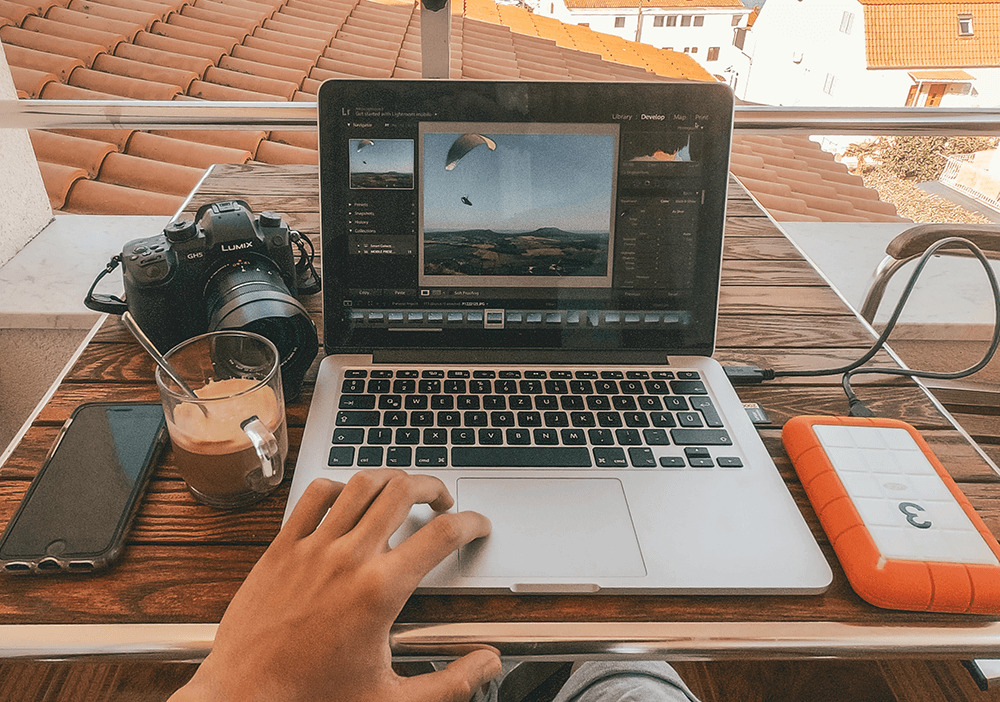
520	297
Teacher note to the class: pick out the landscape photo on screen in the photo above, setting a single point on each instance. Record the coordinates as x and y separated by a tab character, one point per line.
517	205
381	164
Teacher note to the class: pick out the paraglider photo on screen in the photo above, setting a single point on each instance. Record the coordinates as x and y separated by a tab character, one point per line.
381	164
511	205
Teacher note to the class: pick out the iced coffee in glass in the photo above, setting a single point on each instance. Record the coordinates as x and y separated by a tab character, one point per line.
230	438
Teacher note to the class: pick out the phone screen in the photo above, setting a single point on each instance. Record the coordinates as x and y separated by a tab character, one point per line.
83	496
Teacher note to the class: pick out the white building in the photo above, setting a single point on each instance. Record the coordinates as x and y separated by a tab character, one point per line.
889	53
703	29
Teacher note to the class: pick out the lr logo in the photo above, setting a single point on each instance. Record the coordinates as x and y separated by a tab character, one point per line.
910	509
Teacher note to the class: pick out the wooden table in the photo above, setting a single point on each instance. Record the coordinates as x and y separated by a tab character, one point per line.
184	561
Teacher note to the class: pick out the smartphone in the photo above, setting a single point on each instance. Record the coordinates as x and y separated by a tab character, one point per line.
78	508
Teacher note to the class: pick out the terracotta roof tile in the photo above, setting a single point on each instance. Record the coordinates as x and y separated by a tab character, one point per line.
176	45
121	14
278	47
286	75
184	153
59	66
11	13
160	8
51	28
240	139
211	16
61	91
199	25
252	83
94	197
123	86
298	28
319	19
147	174
211	91
924	34
254	11
286	39
58	180
40	7
270	58
116	137
83	20
86	154
145	71
271	152
15	36
194	36
192	64
31	81
301	139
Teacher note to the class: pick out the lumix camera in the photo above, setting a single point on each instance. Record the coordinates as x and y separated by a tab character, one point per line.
227	269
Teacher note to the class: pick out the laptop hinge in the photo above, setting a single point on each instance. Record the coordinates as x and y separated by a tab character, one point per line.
519	356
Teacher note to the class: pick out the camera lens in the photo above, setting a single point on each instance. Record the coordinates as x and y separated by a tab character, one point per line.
250	294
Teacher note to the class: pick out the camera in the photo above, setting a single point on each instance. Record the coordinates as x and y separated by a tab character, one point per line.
226	269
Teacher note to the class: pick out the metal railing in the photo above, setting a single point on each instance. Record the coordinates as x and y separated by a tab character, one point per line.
963	175
132	114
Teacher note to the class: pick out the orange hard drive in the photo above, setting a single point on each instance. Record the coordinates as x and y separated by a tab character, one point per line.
905	534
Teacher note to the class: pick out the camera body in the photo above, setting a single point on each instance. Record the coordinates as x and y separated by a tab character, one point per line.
227	269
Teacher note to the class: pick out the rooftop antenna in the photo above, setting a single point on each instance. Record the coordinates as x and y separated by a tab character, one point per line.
435	31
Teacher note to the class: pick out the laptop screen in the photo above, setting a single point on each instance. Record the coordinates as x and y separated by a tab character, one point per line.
460	214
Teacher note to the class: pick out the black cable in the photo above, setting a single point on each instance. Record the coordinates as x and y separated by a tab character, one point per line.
854	368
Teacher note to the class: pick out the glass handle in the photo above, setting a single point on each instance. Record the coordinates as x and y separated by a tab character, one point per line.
264	443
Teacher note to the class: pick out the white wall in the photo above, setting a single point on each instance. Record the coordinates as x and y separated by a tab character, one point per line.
21	184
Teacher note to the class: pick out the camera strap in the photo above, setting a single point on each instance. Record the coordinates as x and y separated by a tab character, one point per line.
106	303
306	278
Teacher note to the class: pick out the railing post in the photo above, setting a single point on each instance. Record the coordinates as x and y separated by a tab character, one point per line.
27	209
435	35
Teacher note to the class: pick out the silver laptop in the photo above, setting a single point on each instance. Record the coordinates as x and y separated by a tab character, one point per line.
521	290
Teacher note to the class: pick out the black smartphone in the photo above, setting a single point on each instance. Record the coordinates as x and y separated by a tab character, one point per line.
78	508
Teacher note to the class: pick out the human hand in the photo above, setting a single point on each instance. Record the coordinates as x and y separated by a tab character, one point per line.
312	619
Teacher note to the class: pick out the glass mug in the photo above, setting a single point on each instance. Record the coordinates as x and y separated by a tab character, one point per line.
231	440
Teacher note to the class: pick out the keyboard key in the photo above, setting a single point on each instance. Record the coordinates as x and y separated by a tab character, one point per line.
701	463
606	387
510	374
355	373
432	456
689	419
435	435
657	387
474	419
546	437
407	373
458	374
402	387
398	456
535	374
494	402
571	402
484	374
434	373
501	419
705	437
573	437
672	461
599	402
377	387
519	402
381	373
556	387
609	419
677	404
357	402
697	452
407	435
663	375
505	387
649	402
422	418
637	375
491	436
455	387
449	419
662	419
610	457
415	402
556	419
612	375
655	437
586	375
348	436
392	402
529	419
582	419
636	419
546	402
688	387
631	387
708	411
341	456
379	435
370	456
468	402
442	402
560	375
529	387
581	387
601	437
518	436
729	462
463	436
353	385
429	387
688	375
358	418
641	457
521	456
481	387
627	437
396	418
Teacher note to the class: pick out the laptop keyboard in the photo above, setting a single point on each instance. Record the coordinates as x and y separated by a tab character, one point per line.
537	418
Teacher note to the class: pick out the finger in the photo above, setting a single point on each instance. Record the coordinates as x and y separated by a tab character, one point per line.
354	500
433	542
390	509
309	511
456	683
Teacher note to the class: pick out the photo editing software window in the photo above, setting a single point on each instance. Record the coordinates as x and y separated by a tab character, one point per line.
522	226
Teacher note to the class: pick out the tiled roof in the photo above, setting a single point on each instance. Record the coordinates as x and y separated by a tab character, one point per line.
665	5
924	34
281	50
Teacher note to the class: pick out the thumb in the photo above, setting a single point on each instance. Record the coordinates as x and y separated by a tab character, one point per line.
456	683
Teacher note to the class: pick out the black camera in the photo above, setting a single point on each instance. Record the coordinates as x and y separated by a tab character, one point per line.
227	269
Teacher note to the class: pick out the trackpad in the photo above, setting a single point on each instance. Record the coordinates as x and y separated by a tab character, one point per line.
550	528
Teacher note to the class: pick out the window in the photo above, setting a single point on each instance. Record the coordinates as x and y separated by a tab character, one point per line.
658	21
685	20
739	37
713	53
619	21
552	8
584	24
736	20
828	84
965	25
699	20
671	20
846	22
694	49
